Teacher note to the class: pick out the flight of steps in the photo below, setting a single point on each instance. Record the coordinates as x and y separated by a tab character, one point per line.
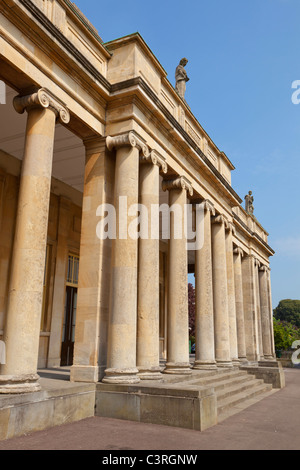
235	389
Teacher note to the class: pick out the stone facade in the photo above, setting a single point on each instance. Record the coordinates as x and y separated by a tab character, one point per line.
114	130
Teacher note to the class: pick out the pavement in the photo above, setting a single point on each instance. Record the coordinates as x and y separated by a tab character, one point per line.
271	424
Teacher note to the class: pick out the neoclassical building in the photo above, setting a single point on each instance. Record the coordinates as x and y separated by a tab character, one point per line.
87	124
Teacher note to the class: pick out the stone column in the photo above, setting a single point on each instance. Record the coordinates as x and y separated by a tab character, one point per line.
231	294
121	360
271	313
258	309
2	186
90	349
204	321
265	313
148	271
239	302
249	298
22	329
178	323
220	288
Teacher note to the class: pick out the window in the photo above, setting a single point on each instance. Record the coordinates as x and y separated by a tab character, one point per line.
73	270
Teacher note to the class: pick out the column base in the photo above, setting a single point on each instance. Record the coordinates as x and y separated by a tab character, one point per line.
243	360
236	362
90	374
268	362
121	376
205	365
152	373
178	368
18	384
224	364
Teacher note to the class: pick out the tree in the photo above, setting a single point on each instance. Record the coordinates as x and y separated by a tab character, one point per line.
285	334
288	311
192	308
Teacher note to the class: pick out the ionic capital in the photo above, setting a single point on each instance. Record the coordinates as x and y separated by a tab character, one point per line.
156	159
238	251
129	139
42	98
209	207
264	269
257	263
178	183
220	219
231	228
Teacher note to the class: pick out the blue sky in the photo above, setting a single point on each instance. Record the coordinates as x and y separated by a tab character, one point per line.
243	57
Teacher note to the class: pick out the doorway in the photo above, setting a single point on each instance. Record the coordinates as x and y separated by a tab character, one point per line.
68	333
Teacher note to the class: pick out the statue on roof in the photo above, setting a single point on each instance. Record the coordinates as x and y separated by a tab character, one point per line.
181	78
249	203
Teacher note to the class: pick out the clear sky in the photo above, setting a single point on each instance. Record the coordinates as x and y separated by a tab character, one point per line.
243	57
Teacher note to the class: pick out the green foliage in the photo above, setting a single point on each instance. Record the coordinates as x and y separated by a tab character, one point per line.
289	311
285	334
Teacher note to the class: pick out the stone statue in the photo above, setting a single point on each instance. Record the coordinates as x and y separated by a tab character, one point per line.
181	78
249	203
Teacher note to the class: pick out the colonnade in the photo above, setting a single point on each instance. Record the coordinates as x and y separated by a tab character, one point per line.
133	329
221	336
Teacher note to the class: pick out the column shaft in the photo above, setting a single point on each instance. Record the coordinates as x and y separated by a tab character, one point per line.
249	299
258	310
265	313
148	275
222	344
90	349
231	295
239	302
178	323
204	322
22	328
121	360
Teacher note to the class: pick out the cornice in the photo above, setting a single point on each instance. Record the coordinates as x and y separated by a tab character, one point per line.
253	234
61	38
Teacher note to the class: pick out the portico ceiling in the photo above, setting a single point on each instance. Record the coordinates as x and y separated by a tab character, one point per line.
69	152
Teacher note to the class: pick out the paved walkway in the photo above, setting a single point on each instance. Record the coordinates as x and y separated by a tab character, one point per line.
271	424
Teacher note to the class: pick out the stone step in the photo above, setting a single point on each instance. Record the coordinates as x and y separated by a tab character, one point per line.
223	404
222	415
221	379
235	388
206	377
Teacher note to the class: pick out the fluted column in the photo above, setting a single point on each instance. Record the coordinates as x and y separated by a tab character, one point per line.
239	302
231	294
22	329
121	357
178	323
204	322
220	288
148	272
265	313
